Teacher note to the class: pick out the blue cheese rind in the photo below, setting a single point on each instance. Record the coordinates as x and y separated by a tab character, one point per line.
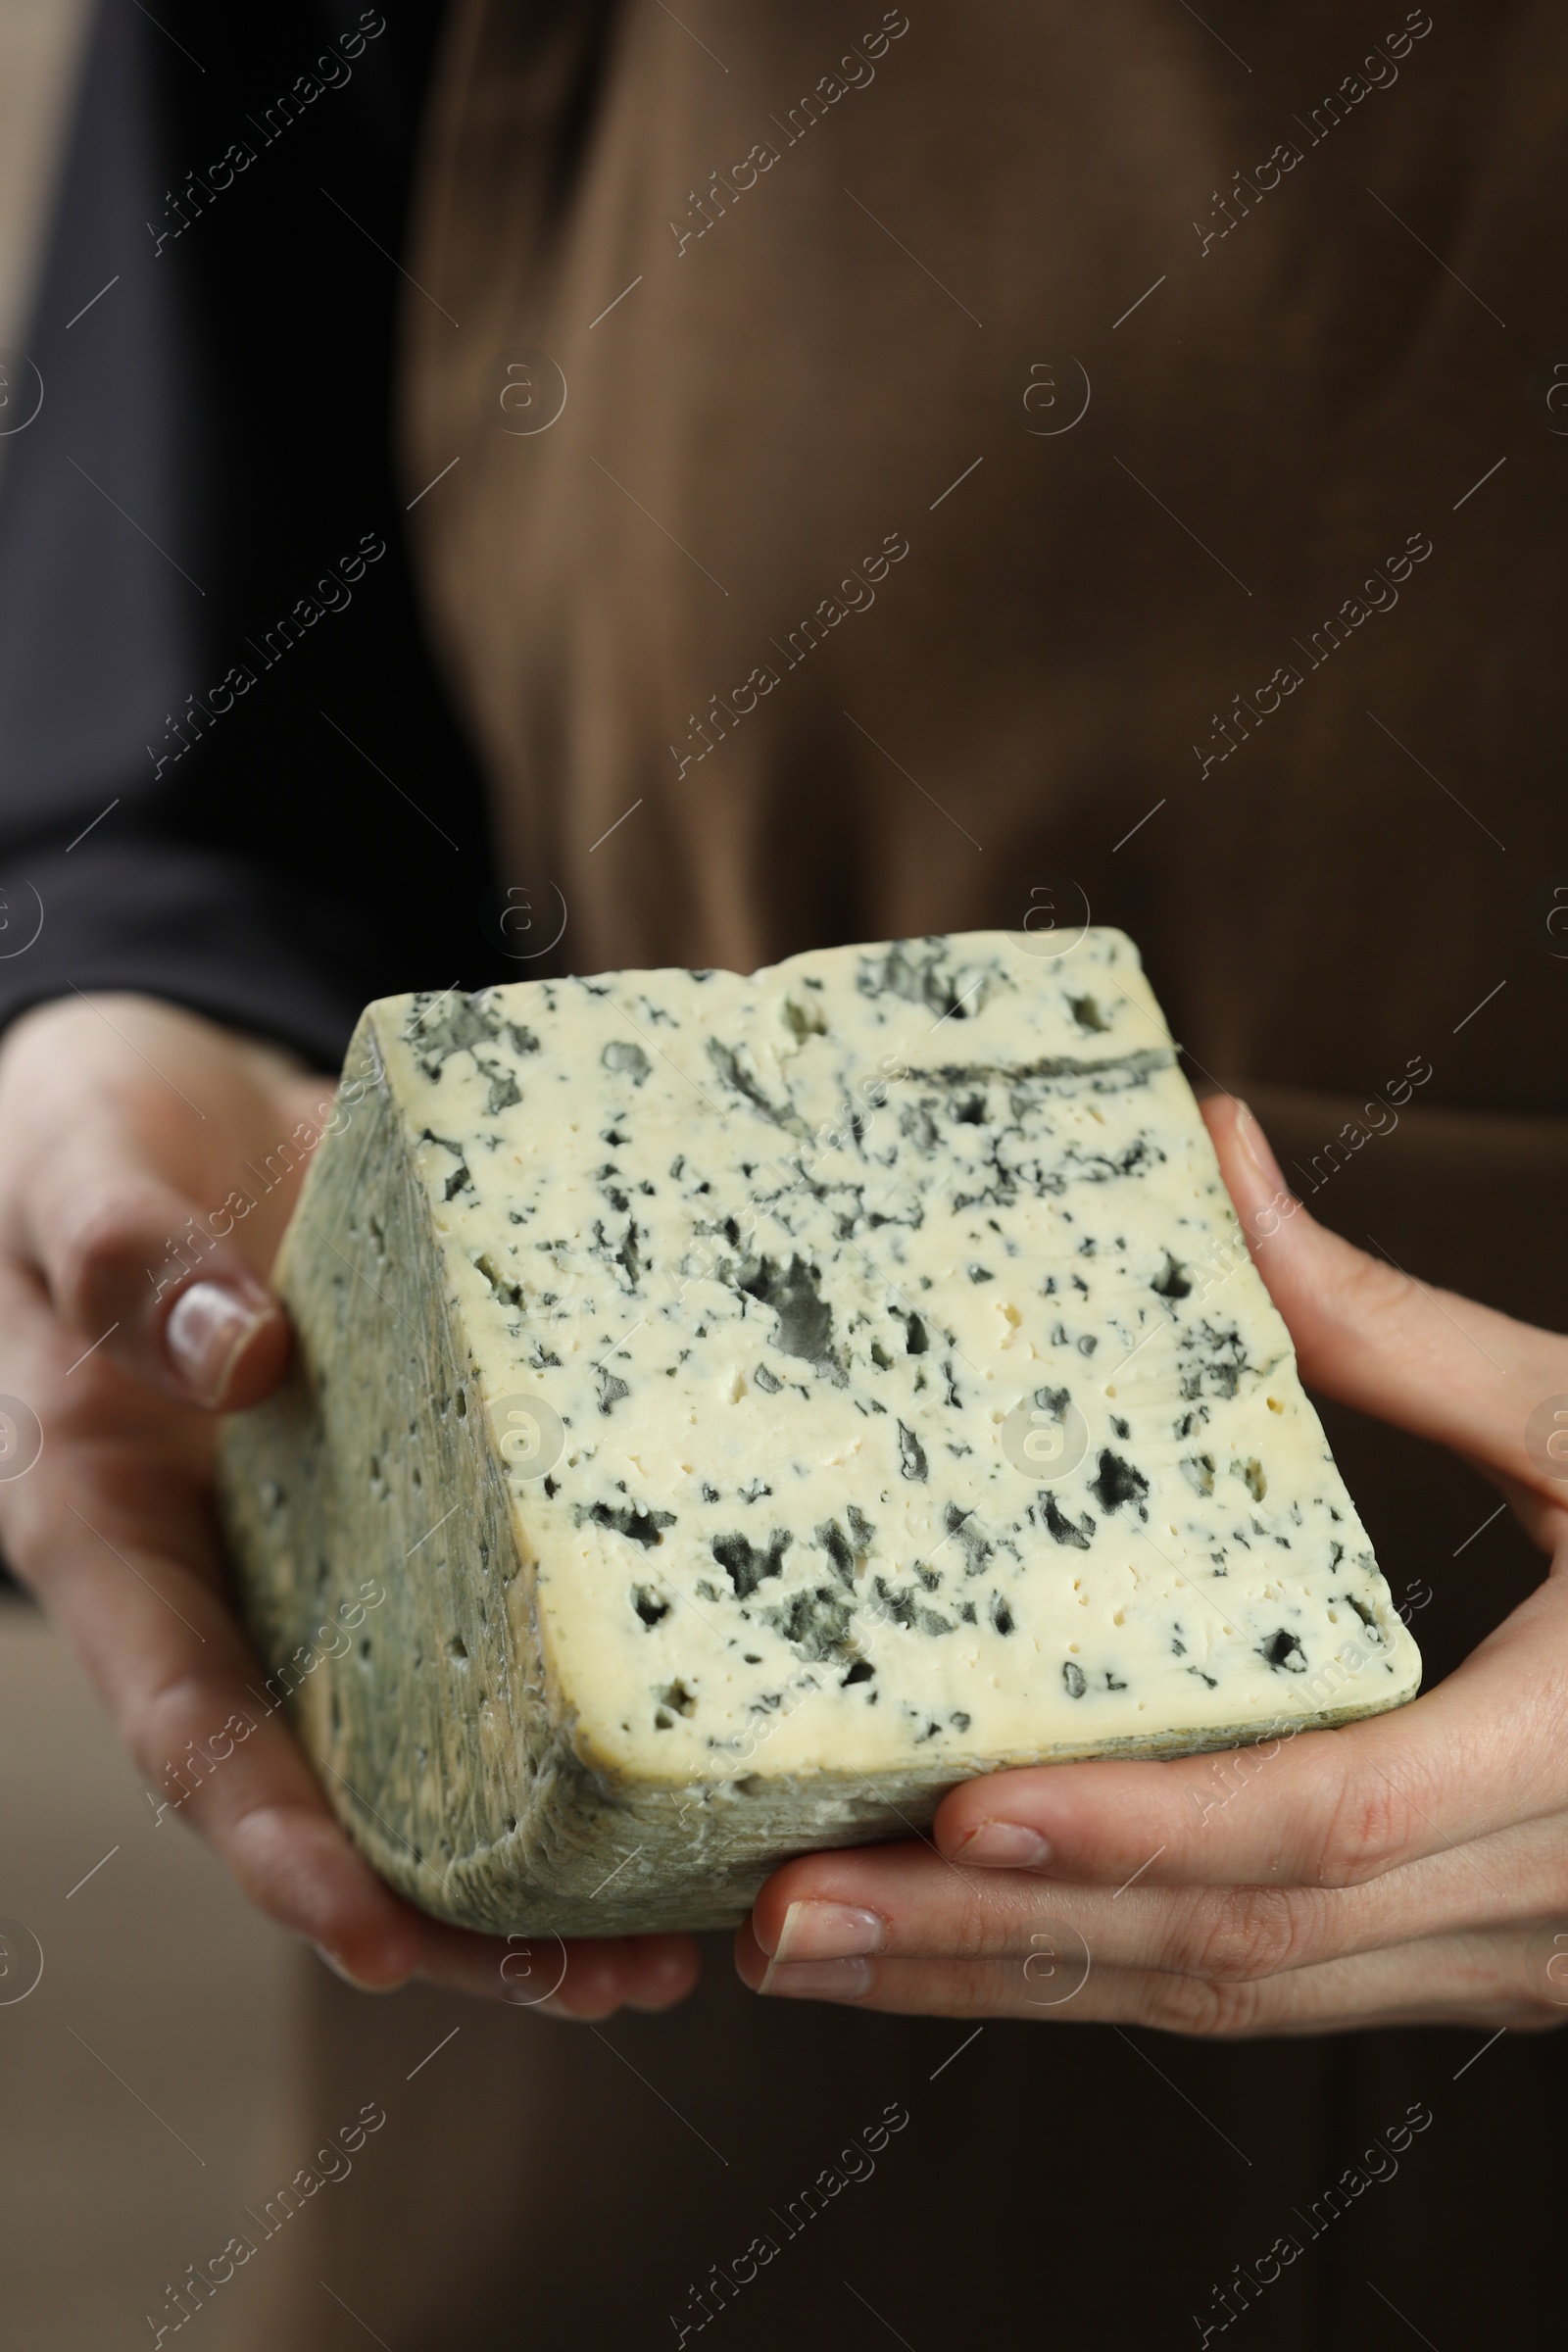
912	1406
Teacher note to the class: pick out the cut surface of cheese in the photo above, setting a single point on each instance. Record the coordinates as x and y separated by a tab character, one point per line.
762	1403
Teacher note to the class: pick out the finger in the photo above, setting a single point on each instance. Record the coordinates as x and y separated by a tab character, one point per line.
133	1267
217	1753
1545	1523
1482	1980
1379	1339
905	1902
111	1527
574	1977
151	1207
1482	1752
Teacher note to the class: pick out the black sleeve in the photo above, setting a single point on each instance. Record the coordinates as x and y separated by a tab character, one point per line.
229	774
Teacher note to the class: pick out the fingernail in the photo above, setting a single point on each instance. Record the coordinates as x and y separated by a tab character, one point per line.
331	1961
1005	1845
816	1930
819	1980
1254	1143
208	1328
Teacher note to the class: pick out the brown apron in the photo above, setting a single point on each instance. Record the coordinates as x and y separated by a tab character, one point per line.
909	471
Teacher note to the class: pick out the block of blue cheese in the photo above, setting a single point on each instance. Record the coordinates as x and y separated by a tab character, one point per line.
755	1405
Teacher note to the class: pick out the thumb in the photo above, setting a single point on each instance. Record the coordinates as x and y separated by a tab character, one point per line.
154	1282
1375	1337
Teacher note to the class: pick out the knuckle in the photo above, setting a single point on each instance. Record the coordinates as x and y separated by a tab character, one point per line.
953	1988
973	1937
1368	1830
978	1925
1553	1901
976	1931
186	1711
1203	2008
102	1242
1374	1291
1245	1934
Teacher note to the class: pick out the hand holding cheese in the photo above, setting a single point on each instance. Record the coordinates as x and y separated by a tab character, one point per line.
132	1301
765	1403
1392	1870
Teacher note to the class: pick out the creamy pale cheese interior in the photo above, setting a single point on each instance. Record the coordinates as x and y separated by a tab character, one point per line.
770	1400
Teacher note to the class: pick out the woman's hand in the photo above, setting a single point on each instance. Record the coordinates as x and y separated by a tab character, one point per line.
1408	1869
124	1124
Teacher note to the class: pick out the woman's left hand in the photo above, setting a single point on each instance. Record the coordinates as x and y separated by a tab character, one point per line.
1408	1869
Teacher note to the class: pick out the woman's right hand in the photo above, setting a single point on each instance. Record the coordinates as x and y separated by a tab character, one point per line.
124	1124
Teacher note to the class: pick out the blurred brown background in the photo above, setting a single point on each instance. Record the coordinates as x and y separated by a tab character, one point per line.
139	2080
